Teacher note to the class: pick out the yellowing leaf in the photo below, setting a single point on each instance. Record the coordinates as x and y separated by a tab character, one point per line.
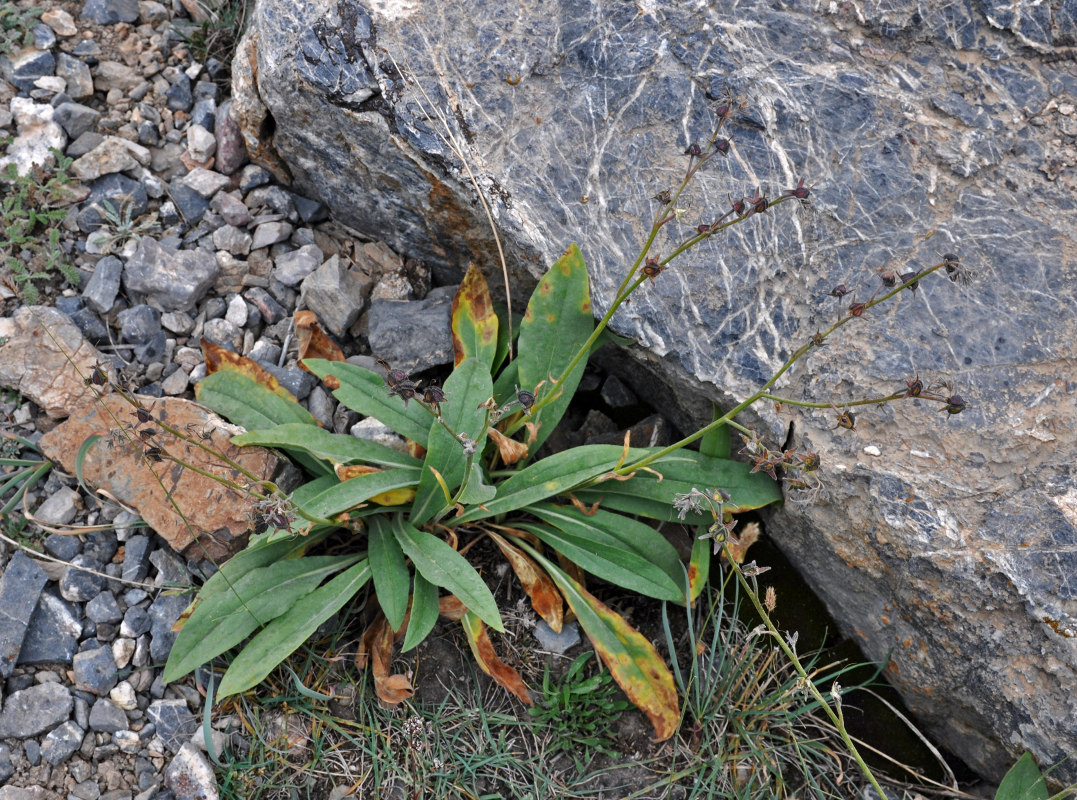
393	497
632	660
539	587
474	322
218	359
483	650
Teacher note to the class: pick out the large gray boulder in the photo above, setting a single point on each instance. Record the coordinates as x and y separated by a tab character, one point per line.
926	128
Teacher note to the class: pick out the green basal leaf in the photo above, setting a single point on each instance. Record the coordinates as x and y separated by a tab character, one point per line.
547	478
477	490
467	387
630	657
226	618
391	575
245	402
260	552
365	392
339	448
424	612
599	553
1024	781
338	497
443	566
281	637
651	493
557	324
621	533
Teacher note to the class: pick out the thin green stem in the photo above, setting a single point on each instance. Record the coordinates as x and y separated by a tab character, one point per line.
868	401
790	653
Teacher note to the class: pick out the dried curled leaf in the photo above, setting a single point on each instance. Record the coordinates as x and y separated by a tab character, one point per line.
511	450
312	341
376	649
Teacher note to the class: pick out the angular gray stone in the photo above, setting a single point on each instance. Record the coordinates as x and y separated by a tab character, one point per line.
95	670
336	294
136	552
103	286
413	336
75	118
61	743
104	608
190	776
292	267
109	12
164	612
107	717
60	507
25	66
269	233
79	585
20	587
77	74
35	710
953	550
175	722
168	279
53	633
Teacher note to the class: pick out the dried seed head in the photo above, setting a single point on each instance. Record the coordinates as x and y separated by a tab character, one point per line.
392	376
526	399
721	146
652	268
910	279
694	150
954	404
839	291
663	197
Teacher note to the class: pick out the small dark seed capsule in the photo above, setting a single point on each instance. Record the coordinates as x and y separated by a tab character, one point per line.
704	228
525	398
839	291
759	205
911	280
663	197
694	150
889	278
954	404
722	146
739	206
847	420
857	309
914	387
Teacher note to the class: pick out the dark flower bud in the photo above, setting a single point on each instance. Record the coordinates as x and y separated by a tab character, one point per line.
526	399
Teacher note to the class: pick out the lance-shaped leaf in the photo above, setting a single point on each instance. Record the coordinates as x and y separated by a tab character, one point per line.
631	658
224	619
699	566
337	497
538	585
557	323
391	576
283	635
467	387
546	478
474	323
424	612
618	532
601	554
650	492
238	397
483	650
365	392
339	448
504	330
1023	781
443	566
715	442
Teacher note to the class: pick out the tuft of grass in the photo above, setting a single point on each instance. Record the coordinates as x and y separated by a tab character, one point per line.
578	713
33	208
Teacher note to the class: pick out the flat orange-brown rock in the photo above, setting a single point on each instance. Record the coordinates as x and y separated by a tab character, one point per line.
216	518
